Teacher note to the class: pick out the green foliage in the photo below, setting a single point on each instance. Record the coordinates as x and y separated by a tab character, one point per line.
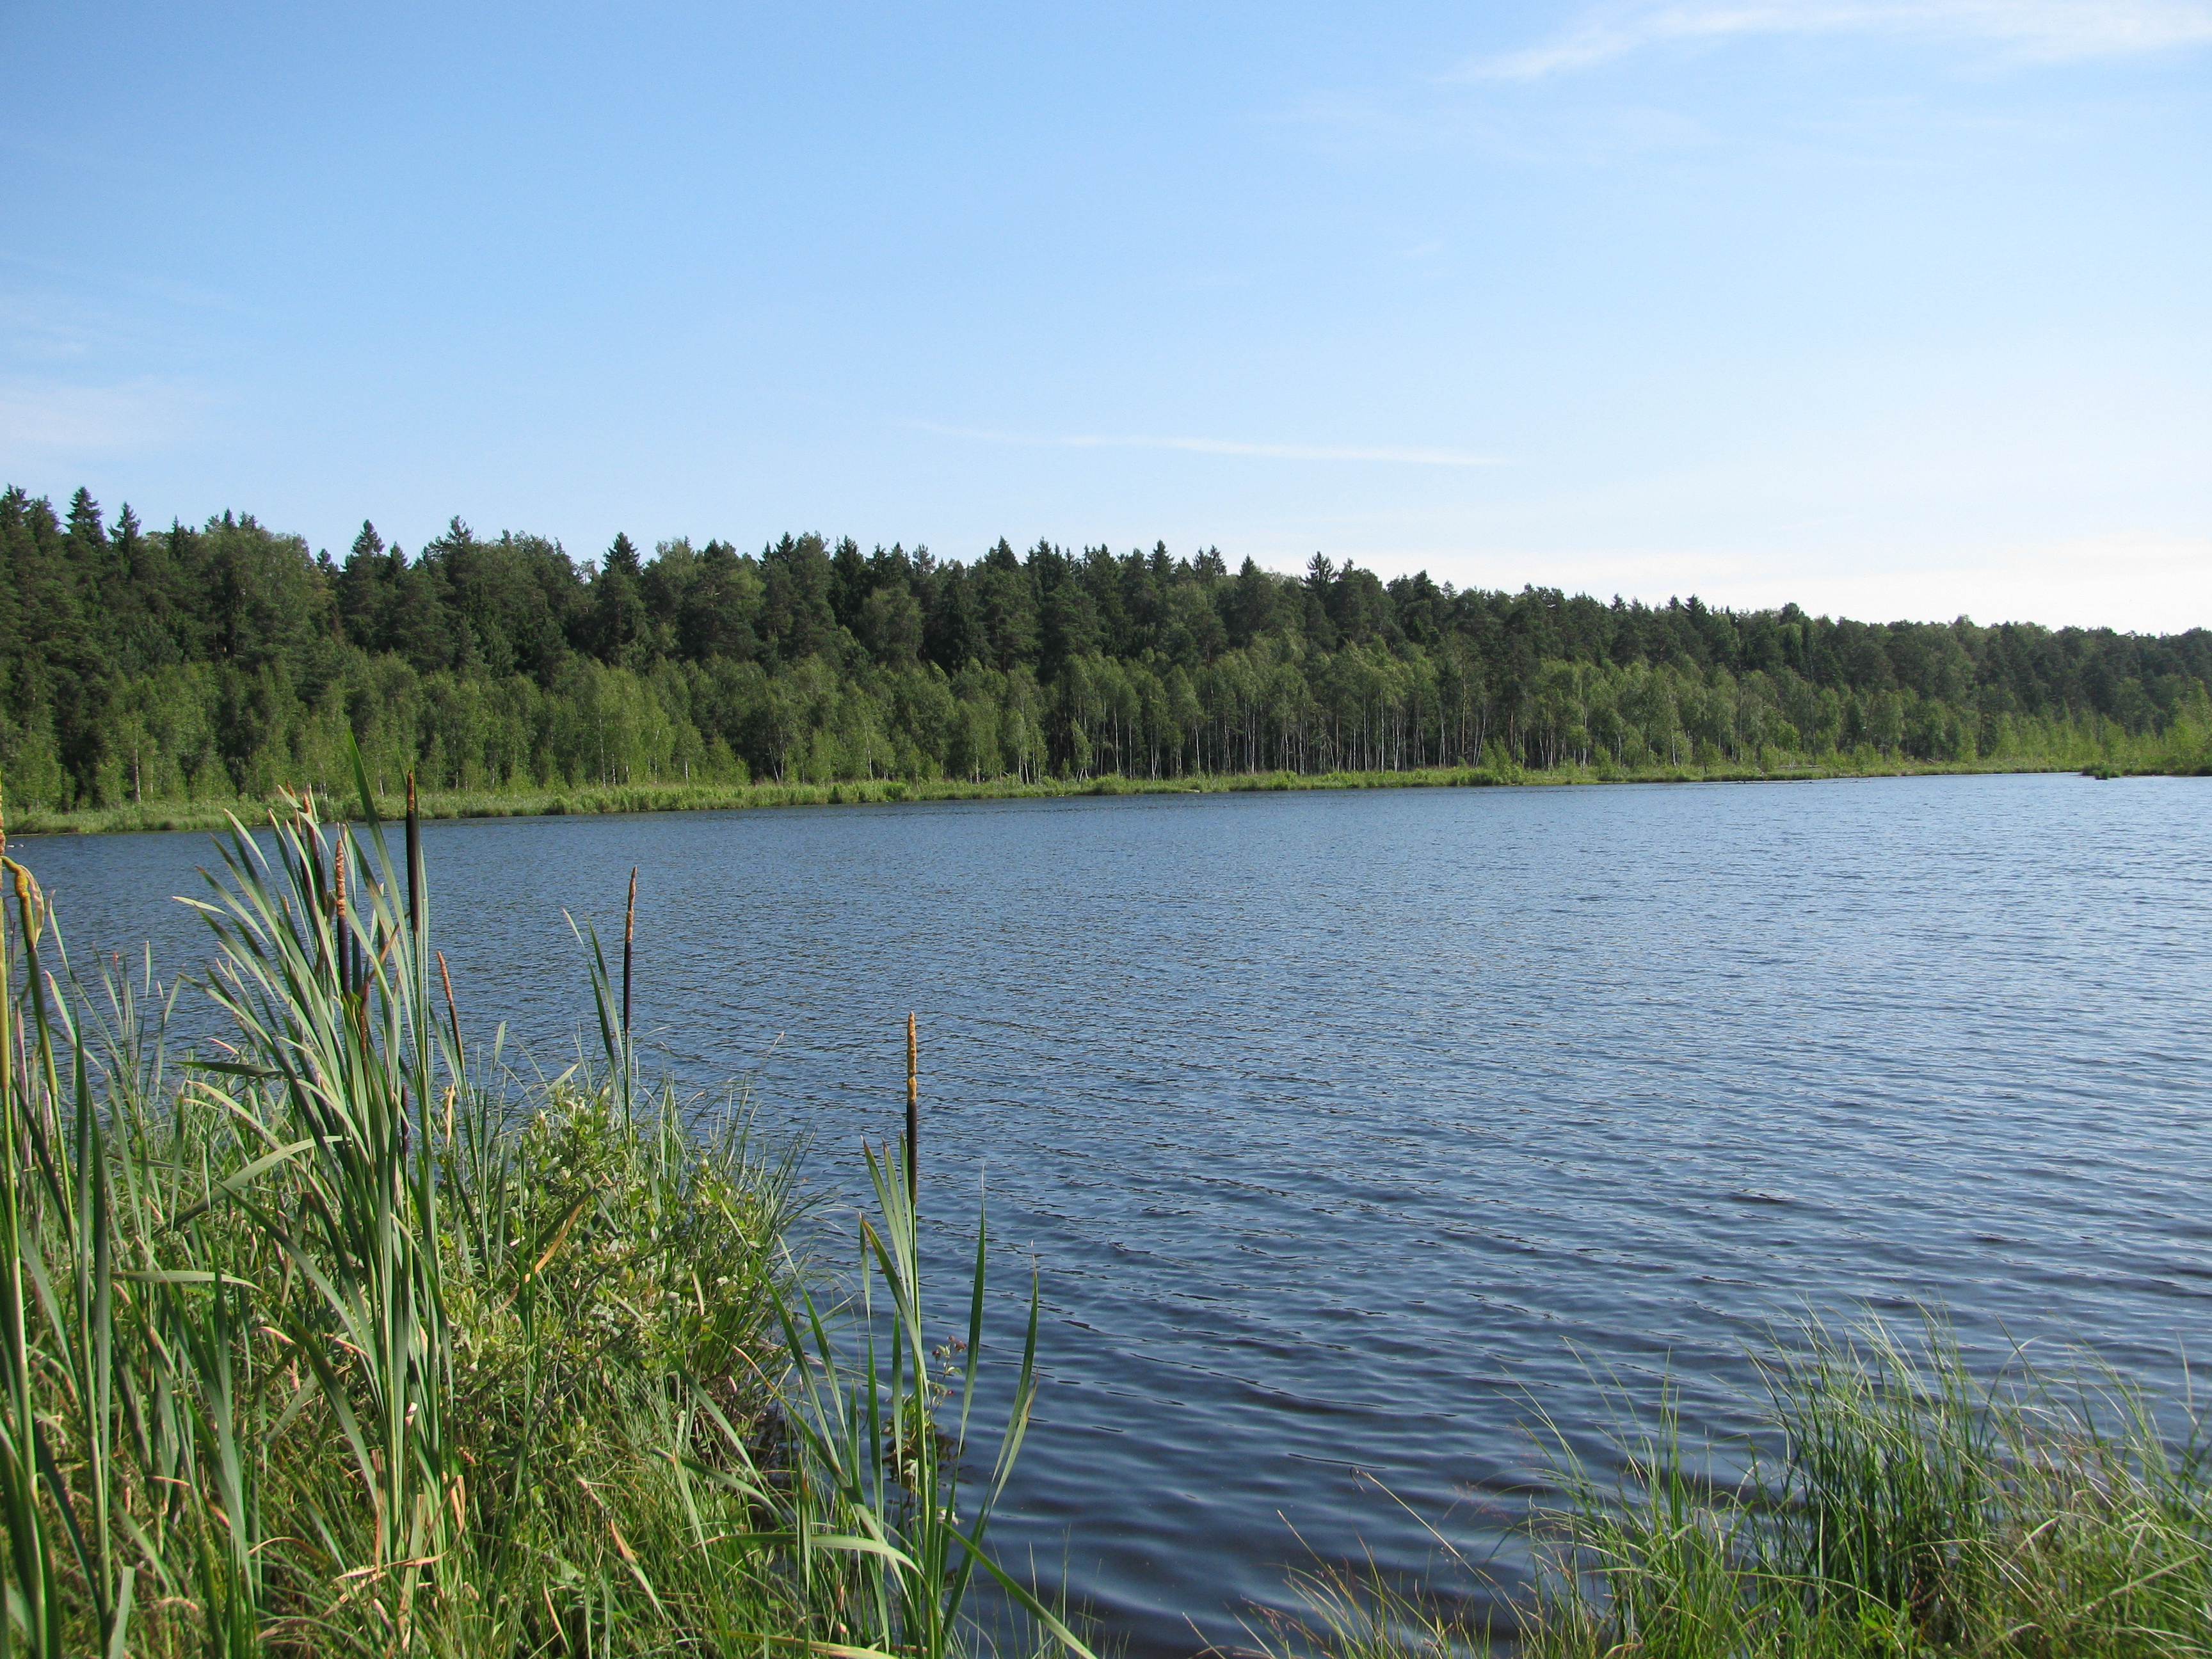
1894	1507
221	663
325	1344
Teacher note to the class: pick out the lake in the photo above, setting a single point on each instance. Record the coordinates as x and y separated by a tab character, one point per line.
1346	1131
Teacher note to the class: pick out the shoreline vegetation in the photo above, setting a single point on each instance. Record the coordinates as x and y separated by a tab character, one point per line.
593	799
172	672
342	1337
1891	1506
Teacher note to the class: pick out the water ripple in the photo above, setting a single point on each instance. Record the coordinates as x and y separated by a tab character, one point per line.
1346	1130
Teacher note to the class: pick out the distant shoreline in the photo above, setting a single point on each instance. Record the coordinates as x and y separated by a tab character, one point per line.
597	799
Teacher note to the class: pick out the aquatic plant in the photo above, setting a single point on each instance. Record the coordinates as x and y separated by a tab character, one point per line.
330	1341
1895	1505
213	812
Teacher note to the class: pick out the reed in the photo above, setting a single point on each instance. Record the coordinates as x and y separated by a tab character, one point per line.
533	801
328	1341
1895	1506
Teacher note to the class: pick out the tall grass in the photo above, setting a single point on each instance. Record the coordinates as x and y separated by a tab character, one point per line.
213	813
1898	1507
321	1342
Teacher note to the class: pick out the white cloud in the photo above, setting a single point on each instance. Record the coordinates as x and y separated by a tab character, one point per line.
41	418
1227	446
2136	584
2140	584
2048	30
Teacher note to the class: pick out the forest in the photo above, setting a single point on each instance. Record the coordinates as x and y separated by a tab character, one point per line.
227	660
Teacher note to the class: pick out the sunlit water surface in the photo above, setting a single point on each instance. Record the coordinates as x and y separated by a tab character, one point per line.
1348	1131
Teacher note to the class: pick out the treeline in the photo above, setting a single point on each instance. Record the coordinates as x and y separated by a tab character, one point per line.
228	660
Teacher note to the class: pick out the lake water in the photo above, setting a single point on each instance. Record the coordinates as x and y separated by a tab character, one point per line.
1347	1130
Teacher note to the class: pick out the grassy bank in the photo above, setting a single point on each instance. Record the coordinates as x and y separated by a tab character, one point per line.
213	814
337	1342
1896	1506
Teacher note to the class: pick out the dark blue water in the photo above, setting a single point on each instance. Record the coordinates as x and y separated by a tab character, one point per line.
1348	1130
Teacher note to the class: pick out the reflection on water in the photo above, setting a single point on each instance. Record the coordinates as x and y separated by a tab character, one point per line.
1345	1127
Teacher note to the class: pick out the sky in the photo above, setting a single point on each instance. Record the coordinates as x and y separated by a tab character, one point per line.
1893	308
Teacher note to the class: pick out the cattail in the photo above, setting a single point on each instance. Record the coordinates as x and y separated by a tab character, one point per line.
912	1116
629	931
414	861
338	914
452	1014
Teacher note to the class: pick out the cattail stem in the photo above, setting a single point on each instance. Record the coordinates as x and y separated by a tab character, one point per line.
414	862
629	935
912	1116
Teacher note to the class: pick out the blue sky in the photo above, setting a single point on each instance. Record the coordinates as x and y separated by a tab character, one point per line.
1894	307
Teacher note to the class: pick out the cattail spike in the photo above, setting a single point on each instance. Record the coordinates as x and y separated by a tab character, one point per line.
338	913
452	1014
912	1116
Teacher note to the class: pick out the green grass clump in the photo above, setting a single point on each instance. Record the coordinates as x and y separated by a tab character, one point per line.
1908	1512
585	799
327	1342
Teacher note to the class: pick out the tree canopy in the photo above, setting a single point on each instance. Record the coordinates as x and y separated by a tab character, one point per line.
227	658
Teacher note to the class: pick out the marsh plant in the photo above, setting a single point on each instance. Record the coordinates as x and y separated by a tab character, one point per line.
1893	1506
337	1338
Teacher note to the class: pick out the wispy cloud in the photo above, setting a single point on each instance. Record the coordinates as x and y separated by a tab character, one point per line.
41	417
1225	446
2047	30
